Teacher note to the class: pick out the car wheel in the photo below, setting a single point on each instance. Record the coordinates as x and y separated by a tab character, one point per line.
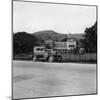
34	58
51	59
46	55
60	60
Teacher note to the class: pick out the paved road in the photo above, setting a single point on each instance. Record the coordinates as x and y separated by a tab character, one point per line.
39	79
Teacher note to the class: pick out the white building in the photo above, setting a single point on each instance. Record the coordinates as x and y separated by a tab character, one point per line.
65	47
62	47
71	44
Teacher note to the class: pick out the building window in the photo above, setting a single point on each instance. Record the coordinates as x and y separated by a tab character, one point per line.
71	46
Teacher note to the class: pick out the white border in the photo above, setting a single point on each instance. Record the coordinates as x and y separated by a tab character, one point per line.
5	50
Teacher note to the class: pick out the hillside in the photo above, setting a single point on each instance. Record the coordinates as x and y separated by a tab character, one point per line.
49	34
77	36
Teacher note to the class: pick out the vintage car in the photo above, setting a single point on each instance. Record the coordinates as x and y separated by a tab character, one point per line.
40	53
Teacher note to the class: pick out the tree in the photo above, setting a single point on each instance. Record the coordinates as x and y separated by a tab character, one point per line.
23	42
90	40
64	39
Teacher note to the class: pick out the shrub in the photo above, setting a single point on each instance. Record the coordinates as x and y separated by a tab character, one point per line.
81	51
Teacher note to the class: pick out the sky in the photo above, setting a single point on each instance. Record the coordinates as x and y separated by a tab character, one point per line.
32	17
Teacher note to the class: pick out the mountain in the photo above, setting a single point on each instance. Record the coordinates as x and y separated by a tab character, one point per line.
77	36
49	34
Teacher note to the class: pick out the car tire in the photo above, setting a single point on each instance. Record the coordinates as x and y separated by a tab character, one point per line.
51	59
34	58
46	55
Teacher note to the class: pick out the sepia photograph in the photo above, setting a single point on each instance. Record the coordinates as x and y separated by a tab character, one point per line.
54	49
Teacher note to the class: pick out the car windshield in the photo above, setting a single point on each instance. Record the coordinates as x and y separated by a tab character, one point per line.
40	49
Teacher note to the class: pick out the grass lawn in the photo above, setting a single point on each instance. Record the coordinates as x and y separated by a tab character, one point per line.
92	58
88	58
